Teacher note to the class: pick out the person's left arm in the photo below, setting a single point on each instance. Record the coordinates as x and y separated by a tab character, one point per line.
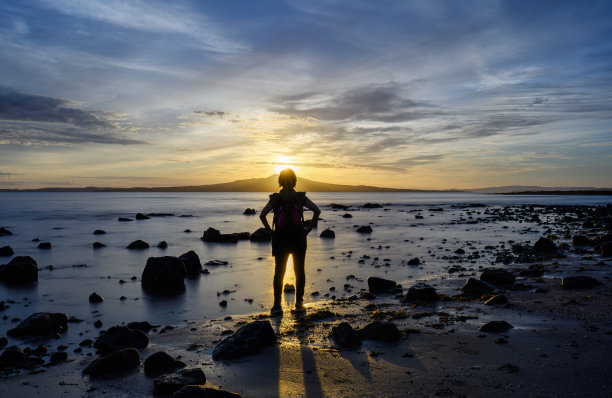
315	217
263	216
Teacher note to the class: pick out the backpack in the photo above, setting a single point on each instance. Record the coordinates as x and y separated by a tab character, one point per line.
288	218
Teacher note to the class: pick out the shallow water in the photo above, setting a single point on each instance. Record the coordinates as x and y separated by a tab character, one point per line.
67	220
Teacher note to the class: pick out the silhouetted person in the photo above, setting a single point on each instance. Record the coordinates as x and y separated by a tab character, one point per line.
289	235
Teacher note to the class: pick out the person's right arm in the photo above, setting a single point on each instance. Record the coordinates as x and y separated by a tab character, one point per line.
263	216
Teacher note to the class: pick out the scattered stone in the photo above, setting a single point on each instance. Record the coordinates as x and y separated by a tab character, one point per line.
58	356
160	362
140	216
124	219
247	340
380	285
199	391
213	235
581	240
497	299
119	337
44	245
163	275
327	233
606	249
5	232
544	245
6	251
249	212
579	282
193	267
168	384
16	358
162	245
498	277
261	235
41	324
97	324
380	330
372	206
114	363
98	245
347	215
289	288
216	262
223	303
99	232
142	326
86	343
495	327
138	245
510	368
421	292
345	335
3	341
475	288
95	298
459	251
414	261
364	229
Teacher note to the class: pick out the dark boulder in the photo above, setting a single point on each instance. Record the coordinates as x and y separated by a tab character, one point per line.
113	363
498	277
98	245
242	235
581	240
119	337
163	275
421	292
99	232
544	245
605	249
58	356
579	282
160	362
138	245
372	206
124	219
162	245
193	266
214	235
327	233
140	216
199	391
381	331
347	215
261	235
168	384
5	232
497	299
44	245
6	251
41	324
143	326
495	327
247	340
95	298
16	358
345	335
249	212
474	288
414	261
380	285
364	229
20	269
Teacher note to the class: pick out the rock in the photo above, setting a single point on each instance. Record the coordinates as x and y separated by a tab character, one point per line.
380	285
140	216
544	245
58	356
581	240
95	298
199	391
327	233
99	232
5	232
223	303
261	235
119	337
339	206
163	275
497	299
16	358
168	384
213	235
247	340
162	245
160	362
579	282
41	324
193	266
242	235
113	363
6	251
588	224
20	269
142	326
495	327
98	245
474	288
138	245
372	206
414	261
345	335
380	330
97	324
124	219
459	251
421	292
498	277
3	341
44	245
249	212
347	215
606	249
364	229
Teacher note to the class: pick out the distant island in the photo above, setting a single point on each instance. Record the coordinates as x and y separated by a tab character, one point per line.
270	184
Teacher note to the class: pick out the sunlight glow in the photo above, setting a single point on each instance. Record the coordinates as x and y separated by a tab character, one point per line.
282	162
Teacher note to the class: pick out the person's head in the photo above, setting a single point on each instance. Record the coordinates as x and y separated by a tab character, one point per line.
287	179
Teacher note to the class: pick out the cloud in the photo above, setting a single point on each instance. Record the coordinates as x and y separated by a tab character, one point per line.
219	114
35	119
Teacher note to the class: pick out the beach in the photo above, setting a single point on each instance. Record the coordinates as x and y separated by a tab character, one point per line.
558	343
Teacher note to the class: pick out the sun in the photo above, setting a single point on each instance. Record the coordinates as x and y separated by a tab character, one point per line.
283	162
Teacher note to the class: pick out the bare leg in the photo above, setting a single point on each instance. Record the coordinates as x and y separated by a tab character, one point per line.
279	274
300	275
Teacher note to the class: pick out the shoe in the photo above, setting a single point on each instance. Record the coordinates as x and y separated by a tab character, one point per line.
276	310
299	308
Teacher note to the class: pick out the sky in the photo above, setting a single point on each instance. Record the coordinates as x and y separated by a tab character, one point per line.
407	94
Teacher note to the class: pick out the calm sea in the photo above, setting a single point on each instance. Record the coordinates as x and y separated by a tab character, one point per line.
68	220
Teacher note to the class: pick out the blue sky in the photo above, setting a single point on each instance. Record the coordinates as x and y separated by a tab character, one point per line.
415	94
